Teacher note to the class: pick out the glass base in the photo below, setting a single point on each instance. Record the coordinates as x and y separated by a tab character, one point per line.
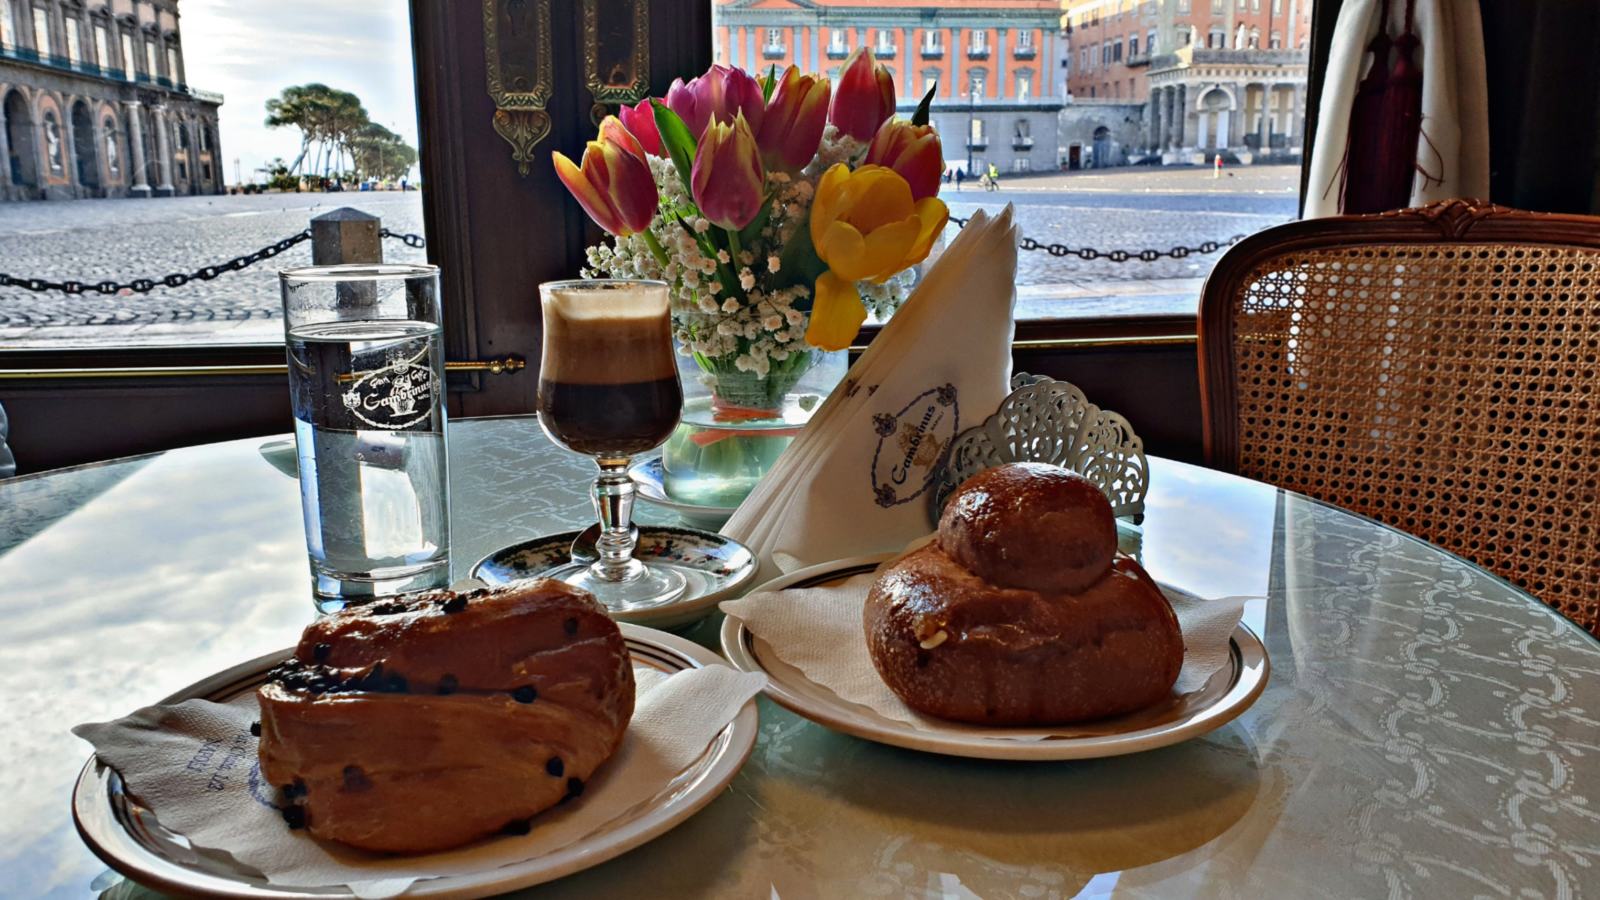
654	586
332	591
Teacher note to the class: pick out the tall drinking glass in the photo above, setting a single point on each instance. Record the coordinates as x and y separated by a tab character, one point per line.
366	377
608	388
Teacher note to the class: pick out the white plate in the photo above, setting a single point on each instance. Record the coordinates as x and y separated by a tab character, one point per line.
129	839
651	481
716	568
1227	695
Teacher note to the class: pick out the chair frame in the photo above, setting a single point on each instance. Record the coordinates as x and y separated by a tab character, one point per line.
1447	221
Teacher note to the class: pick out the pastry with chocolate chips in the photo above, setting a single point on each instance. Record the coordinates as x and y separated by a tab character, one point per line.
427	721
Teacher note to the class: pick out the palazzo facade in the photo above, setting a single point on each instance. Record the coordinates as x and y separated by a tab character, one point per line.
1181	81
993	61
94	103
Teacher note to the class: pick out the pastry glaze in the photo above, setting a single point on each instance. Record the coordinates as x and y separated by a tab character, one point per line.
405	728
965	643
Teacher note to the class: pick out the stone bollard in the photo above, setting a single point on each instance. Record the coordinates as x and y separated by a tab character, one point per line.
344	236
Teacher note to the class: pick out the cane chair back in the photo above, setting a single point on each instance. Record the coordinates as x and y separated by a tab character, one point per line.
1436	369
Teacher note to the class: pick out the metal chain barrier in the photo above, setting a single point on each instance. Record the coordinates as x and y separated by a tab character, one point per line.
179	279
1089	253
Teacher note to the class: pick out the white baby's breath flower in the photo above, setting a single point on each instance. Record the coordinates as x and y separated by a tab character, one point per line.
707	304
730	305
773	263
723	257
772	322
701	225
747	278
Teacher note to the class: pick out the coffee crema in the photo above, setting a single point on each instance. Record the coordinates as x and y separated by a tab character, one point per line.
608	383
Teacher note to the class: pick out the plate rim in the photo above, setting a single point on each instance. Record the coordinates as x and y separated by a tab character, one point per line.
1248	655
99	828
671	615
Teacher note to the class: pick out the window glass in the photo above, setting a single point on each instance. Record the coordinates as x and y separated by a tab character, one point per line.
123	185
102	47
1115	159
41	31
775	38
7	24
885	40
74	41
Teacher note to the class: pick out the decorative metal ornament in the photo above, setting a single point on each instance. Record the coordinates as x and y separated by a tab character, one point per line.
616	53
517	52
1044	420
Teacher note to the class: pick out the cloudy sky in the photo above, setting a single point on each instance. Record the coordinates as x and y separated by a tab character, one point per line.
249	50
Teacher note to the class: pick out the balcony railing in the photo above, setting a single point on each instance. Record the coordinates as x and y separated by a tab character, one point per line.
1136	60
977	53
83	67
1024	53
1021	143
835	52
884	52
932	52
977	143
774	51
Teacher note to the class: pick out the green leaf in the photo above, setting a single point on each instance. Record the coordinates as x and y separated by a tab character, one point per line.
920	117
770	83
675	137
751	232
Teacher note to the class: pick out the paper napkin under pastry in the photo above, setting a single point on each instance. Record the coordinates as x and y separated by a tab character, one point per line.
855	481
194	765
820	632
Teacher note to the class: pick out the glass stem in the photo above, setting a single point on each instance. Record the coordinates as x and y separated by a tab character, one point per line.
613	503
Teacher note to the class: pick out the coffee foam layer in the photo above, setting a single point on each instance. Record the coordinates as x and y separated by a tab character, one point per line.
617	336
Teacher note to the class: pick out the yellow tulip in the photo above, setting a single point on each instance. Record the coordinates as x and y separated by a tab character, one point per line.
866	227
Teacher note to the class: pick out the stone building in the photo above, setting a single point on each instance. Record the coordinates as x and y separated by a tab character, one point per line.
998	101
94	103
1208	77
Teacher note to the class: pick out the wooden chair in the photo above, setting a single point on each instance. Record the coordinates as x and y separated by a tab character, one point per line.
1436	369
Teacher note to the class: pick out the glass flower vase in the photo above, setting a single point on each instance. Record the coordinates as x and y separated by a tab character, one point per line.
736	423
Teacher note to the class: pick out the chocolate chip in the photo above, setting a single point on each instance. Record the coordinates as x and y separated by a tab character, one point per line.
574	787
570	625
517	826
448	684
291	791
555	766
355	779
294	817
525	694
387	609
454	604
923	659
320	652
255	728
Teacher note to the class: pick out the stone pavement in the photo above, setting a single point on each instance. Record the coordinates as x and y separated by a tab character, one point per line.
94	240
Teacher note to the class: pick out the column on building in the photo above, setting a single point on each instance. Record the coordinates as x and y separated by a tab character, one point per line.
999	50
911	87
1048	65
1295	136
736	46
958	88
1170	111
163	150
1238	120
1152	119
752	53
1180	103
69	136
138	185
1265	127
5	149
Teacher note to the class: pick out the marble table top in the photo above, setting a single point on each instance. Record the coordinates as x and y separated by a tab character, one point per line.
1428	730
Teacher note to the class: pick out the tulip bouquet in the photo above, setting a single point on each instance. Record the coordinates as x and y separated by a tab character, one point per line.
780	209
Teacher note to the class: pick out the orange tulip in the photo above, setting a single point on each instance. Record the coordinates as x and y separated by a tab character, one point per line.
613	184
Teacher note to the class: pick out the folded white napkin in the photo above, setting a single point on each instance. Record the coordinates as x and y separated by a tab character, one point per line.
194	765
855	481
820	632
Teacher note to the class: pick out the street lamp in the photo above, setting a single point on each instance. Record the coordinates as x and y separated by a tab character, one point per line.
972	103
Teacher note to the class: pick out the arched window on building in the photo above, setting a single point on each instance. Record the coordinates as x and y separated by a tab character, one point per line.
1217	39
1255	39
1024	85
1022	135
1275	42
977	82
55	153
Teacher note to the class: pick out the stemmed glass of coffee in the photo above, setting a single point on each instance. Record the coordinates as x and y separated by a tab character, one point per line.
608	388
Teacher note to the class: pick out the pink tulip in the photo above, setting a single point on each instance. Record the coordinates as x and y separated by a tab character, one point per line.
728	180
613	185
864	98
717	96
795	117
911	150
641	123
